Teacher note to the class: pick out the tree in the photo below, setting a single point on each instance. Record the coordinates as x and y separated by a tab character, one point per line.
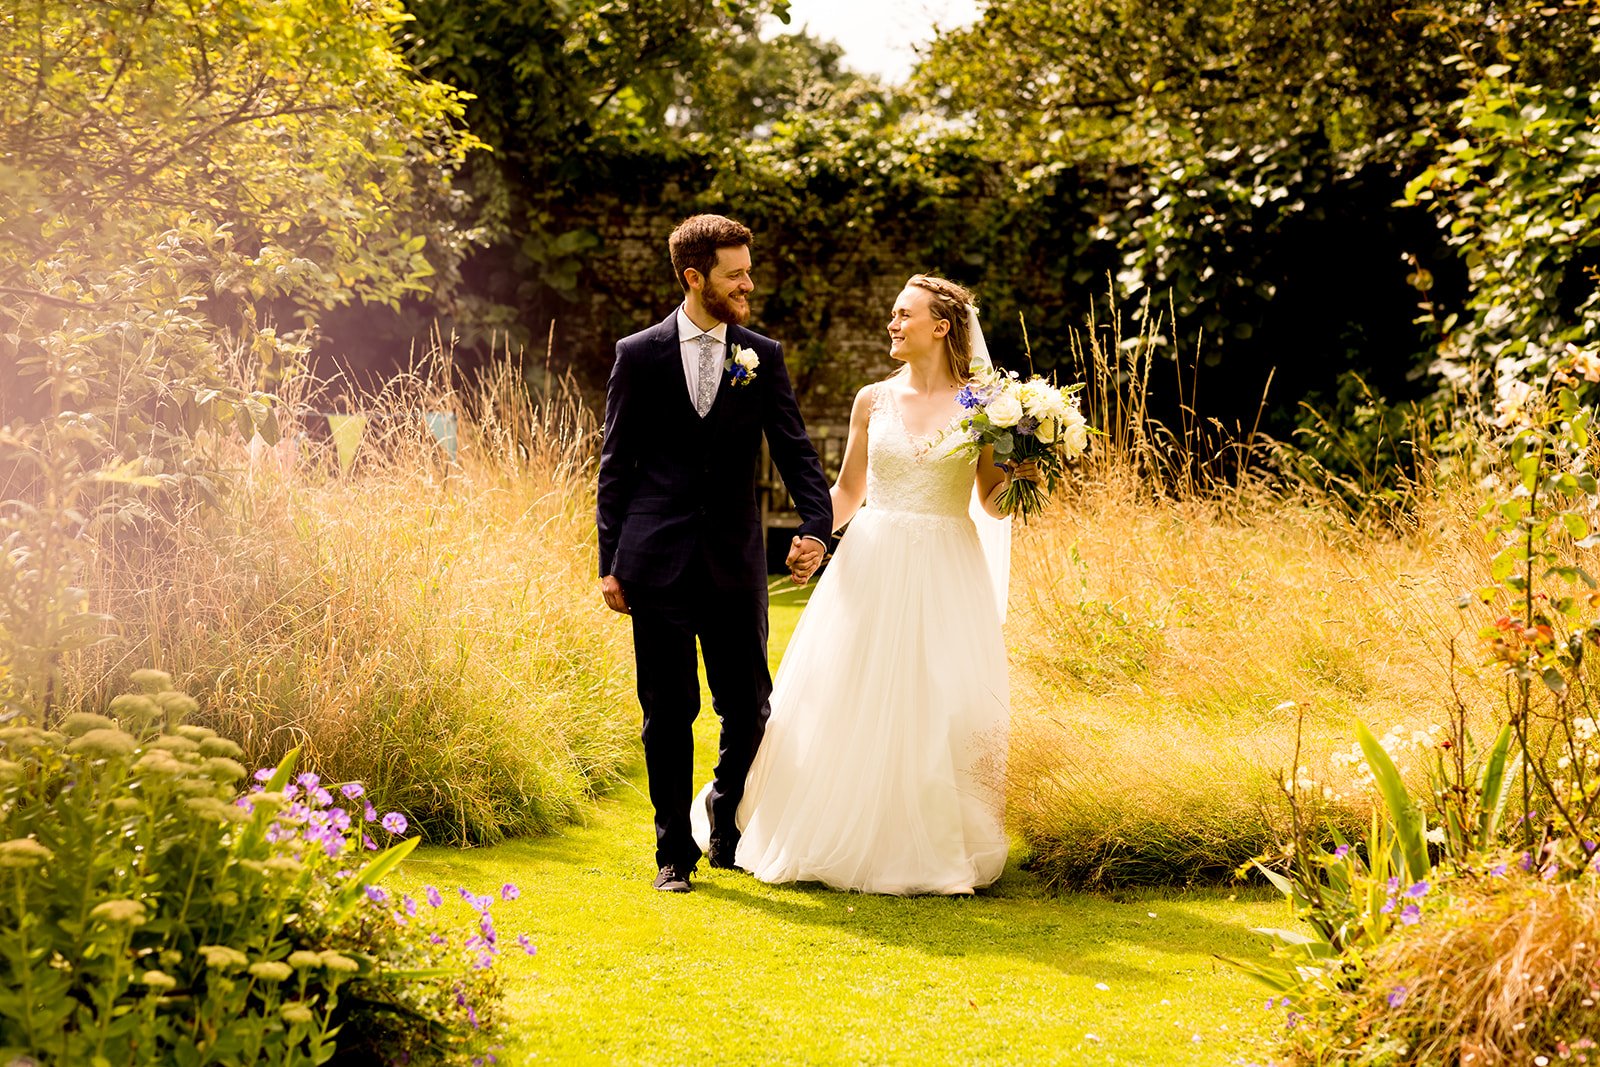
565	94
1256	151
168	175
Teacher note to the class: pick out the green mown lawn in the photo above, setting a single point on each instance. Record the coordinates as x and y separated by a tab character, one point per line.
738	972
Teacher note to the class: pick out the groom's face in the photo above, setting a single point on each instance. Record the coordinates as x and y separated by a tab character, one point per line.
726	293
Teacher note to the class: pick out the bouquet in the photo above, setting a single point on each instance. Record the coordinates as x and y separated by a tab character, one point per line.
1023	420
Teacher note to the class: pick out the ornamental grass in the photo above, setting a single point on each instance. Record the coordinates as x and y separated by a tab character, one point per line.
1506	971
1183	611
425	624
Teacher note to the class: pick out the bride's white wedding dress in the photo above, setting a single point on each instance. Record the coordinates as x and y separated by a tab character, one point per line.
883	762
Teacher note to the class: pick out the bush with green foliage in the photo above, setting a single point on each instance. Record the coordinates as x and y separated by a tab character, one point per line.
156	915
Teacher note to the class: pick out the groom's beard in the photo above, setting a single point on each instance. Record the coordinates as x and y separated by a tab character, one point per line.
723	309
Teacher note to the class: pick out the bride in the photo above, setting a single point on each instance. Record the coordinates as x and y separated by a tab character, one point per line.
882	763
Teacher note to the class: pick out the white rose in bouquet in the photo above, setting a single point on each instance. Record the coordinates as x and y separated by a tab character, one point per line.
1005	410
1035	397
1075	435
1046	431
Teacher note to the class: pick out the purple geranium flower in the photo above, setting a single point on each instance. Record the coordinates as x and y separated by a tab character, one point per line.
1341	852
1397	996
377	894
1418	890
509	892
308	781
394	822
433	895
528	946
479	904
370	812
264	774
352	790
1412	915
410	904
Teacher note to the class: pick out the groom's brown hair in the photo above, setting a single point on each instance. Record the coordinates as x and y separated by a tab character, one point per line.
696	240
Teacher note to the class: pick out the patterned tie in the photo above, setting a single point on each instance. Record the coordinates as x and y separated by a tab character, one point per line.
707	382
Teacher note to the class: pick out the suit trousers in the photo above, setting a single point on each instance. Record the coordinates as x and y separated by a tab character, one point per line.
731	627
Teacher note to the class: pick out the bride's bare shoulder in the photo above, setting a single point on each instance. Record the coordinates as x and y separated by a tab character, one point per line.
866	400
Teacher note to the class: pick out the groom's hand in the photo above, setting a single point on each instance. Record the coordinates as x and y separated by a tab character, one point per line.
805	556
611	589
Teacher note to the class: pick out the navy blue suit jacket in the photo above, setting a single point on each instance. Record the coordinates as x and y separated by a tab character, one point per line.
673	484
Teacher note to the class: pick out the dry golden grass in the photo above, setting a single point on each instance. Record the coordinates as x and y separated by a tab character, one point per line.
427	627
1170	629
1505	972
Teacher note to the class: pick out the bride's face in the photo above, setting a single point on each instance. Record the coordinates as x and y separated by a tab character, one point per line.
913	331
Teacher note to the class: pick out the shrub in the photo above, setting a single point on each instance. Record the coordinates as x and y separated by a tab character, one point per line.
157	916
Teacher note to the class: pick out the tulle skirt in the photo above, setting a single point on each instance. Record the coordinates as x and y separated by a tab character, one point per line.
883	763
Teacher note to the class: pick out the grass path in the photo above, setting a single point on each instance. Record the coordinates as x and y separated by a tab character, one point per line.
738	972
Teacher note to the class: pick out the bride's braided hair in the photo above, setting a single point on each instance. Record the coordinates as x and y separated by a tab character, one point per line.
952	303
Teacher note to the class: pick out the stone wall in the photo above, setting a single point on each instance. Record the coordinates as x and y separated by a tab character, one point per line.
631	287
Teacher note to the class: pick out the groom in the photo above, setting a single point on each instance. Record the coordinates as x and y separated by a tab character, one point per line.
681	543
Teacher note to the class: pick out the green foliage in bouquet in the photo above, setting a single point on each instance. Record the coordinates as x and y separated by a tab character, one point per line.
156	916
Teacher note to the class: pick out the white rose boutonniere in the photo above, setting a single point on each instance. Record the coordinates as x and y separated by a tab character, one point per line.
741	365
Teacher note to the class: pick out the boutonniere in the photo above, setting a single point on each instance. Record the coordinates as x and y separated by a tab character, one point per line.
741	365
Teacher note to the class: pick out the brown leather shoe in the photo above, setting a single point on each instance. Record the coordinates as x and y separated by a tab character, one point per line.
673	879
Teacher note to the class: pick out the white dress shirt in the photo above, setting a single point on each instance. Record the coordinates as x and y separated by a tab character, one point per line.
689	349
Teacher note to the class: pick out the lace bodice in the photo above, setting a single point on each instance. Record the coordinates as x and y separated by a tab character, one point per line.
906	474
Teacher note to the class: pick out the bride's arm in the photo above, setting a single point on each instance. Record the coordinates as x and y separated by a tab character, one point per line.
851	488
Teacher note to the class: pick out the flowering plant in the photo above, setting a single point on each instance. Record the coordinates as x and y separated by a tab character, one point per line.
157	914
741	365
1022	420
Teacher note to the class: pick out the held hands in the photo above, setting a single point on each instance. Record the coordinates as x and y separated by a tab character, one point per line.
805	556
611	590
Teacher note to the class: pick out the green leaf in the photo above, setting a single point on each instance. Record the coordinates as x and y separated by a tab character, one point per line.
1277	979
1494	787
1403	813
1554	680
1283	884
1288	937
350	896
